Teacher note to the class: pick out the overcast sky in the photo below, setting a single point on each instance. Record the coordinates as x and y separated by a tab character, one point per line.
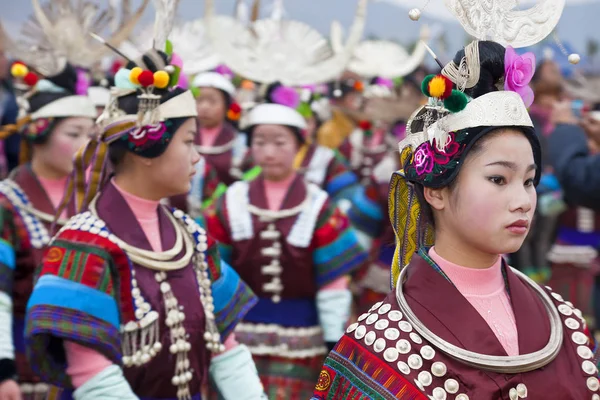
386	18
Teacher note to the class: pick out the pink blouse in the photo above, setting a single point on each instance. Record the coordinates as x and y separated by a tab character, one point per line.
485	290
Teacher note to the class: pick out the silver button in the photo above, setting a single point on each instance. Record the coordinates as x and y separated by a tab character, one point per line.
439	394
427	352
379	345
557	296
363	316
405	326
572	324
376	306
384	308
352	327
391	333
415	361
451	386
390	354
419	385
512	393
372	318
462	397
565	310
403	346
360	332
596	397
592	383
403	367
382	324
416	338
584	352
589	368
370	338
425	378
395	315
439	369
522	390
579	338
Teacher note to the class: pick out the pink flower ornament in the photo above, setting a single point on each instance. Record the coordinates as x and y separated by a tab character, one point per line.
518	73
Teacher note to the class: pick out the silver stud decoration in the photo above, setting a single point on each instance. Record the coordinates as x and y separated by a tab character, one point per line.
382	324
352	327
572	323
391	334
522	390
379	345
415	338
425	378
360	332
395	315
584	352
439	369
593	384
403	346
372	318
589	368
370	338
403	367
415	361
384	309
427	352
451	386
439	394
390	354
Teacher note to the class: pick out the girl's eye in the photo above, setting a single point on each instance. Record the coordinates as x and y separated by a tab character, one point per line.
73	135
529	182
497	180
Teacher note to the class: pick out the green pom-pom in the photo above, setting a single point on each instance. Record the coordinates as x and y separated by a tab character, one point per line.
195	91
304	110
456	102
169	48
425	85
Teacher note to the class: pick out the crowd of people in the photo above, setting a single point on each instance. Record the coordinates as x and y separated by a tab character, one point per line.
245	210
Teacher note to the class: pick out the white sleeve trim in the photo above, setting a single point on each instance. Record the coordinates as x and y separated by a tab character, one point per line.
7	348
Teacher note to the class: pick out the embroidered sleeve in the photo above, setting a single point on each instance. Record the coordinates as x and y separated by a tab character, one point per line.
9	240
232	297
365	212
341	183
216	223
83	293
337	251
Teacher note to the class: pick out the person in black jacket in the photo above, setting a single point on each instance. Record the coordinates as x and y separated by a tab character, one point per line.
8	113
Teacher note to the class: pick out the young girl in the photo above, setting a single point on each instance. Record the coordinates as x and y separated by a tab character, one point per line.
460	323
217	140
294	247
57	123
132	299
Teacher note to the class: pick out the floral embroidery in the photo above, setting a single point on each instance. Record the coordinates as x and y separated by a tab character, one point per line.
146	136
428	162
423	159
39	127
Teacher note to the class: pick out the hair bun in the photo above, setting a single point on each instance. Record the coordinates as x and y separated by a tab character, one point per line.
491	61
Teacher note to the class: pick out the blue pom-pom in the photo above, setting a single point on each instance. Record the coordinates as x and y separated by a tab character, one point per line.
122	79
46	86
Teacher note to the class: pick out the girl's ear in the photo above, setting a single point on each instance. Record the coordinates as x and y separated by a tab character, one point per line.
437	198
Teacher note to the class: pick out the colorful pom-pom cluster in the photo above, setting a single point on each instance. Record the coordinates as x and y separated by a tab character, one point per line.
442	88
235	112
145	78
20	71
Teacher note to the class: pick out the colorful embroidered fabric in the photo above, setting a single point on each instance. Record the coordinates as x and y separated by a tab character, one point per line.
285	378
353	372
83	294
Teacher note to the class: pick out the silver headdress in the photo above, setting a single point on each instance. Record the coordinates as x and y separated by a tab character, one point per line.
287	51
58	32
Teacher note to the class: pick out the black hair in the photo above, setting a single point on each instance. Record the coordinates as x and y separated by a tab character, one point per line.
491	59
296	131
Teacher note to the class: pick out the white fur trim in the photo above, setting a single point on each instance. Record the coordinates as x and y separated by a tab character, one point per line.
240	220
303	229
7	349
316	172
214	80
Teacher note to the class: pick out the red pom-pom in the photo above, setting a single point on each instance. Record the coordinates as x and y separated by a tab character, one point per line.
30	79
235	107
449	87
146	78
364	125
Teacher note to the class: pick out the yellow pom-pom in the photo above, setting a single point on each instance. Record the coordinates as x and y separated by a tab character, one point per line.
161	79
437	87
134	74
19	70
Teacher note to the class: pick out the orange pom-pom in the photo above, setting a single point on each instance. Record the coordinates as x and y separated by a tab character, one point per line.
135	74
233	116
247	85
440	87
146	78
161	79
359	86
30	79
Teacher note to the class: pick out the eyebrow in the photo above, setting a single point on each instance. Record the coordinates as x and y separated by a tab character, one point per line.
511	165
